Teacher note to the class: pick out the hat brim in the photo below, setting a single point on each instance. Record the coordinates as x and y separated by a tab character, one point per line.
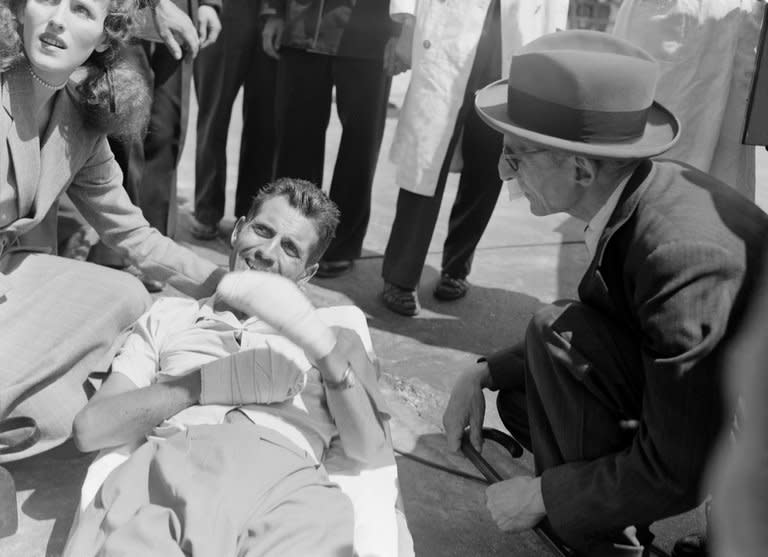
662	129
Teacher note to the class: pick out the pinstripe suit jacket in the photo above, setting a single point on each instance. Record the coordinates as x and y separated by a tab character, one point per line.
673	268
74	159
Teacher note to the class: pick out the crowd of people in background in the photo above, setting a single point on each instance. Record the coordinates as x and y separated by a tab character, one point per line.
97	103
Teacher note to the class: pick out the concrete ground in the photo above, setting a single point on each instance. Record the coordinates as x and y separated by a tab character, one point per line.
522	263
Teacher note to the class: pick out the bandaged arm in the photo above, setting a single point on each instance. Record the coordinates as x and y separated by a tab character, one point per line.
359	410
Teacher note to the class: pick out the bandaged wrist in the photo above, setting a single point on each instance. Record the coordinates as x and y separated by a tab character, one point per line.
249	377
278	302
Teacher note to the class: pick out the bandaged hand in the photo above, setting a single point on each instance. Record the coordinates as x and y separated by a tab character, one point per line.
279	303
273	371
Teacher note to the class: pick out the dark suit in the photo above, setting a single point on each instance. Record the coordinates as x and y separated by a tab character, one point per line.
235	60
329	45
665	289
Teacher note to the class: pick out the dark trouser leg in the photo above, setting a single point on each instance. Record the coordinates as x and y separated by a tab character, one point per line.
582	376
219	71
235	59
302	111
362	90
476	197
164	141
411	233
416	215
479	184
257	143
511	402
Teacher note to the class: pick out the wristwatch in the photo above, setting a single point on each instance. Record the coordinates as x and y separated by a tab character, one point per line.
347	381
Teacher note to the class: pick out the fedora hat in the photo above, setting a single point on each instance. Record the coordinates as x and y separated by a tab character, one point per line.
583	92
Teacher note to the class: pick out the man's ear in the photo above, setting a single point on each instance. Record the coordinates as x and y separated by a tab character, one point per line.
309	272
236	231
585	170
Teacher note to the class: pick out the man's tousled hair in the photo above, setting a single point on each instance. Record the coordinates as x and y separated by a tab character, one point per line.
310	201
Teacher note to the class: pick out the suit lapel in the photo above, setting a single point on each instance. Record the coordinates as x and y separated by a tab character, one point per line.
21	134
593	285
61	144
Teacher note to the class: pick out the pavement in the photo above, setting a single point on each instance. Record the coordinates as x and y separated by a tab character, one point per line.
522	263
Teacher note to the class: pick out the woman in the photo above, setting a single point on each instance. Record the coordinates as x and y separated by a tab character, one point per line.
61	319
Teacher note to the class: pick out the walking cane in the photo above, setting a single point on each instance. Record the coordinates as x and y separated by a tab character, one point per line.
543	529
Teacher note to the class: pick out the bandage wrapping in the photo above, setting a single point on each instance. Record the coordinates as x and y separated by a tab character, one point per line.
278	302
275	371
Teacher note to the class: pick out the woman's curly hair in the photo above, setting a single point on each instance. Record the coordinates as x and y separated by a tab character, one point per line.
113	95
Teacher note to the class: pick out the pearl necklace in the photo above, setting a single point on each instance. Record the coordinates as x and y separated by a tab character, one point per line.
43	82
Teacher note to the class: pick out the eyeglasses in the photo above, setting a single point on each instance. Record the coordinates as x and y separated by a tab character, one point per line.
512	160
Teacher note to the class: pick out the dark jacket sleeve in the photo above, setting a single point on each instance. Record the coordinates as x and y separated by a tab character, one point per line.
682	294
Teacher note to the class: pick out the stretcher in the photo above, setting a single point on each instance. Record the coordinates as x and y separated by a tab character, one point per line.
381	529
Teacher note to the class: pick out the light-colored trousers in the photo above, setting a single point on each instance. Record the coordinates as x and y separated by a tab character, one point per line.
214	490
60	320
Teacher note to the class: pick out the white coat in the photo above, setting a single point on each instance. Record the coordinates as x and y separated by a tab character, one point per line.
444	43
706	56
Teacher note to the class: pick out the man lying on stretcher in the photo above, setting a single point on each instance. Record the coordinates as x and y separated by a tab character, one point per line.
240	395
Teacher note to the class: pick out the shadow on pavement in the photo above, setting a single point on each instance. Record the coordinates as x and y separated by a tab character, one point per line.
53	480
447	514
487	319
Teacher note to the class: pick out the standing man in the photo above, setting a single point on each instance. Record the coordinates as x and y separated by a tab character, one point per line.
454	48
235	60
323	45
617	394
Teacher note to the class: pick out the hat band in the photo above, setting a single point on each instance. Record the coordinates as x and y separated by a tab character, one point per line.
556	120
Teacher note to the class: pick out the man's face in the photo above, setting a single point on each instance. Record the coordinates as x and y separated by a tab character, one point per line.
279	239
546	180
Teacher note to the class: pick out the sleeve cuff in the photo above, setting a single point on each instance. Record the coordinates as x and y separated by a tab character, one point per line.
215	4
402	7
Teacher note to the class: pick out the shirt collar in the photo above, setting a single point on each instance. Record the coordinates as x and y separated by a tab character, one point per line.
596	226
229	319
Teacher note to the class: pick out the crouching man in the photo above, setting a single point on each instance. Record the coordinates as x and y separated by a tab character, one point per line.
618	394
240	394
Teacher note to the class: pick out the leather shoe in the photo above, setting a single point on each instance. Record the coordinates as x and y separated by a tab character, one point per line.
400	300
203	231
332	269
450	288
692	545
